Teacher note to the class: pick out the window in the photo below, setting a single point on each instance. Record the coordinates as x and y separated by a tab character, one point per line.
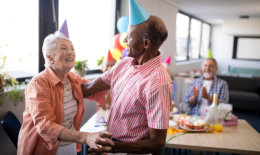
19	37
195	32
192	38
91	27
246	47
205	40
182	32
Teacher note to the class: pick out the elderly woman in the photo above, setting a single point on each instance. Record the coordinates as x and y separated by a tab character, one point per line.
54	106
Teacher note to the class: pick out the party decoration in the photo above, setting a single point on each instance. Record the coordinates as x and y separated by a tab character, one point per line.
137	14
117	42
166	63
124	53
109	56
116	53
64	29
122	24
210	56
122	39
167	60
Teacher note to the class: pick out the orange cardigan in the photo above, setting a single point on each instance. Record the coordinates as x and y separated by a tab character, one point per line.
44	113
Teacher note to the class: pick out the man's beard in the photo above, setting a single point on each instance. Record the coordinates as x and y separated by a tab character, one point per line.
207	75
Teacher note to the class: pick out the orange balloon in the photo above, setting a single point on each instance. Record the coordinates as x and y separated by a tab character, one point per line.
117	42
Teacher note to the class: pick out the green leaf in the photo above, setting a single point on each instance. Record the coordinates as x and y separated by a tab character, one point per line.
100	61
81	65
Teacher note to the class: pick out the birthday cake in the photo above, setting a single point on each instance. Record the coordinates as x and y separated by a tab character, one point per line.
191	122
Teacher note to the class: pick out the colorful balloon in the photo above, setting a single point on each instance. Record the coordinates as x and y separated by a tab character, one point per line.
122	38
122	24
117	42
116	53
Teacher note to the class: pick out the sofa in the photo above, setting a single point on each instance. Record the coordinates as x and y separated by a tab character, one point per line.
244	92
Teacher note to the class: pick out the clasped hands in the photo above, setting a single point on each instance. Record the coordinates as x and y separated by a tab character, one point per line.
196	91
99	142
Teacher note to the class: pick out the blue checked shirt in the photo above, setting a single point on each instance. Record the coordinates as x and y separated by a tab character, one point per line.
218	86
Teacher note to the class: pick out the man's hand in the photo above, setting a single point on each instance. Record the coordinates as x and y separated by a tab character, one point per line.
195	91
99	142
153	144
204	93
195	94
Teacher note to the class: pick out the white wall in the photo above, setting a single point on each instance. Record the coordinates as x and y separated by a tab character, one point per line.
167	11
223	38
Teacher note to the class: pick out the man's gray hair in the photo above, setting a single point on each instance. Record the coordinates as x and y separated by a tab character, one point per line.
214	60
49	44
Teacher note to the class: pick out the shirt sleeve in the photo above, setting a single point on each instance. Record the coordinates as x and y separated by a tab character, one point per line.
98	97
107	76
224	93
40	106
158	107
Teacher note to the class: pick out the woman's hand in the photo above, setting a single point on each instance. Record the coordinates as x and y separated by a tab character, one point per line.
99	142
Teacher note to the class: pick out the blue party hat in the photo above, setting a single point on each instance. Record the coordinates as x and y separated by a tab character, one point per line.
137	14
64	29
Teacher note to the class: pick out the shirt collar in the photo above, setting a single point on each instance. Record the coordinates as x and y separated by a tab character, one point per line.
52	76
148	66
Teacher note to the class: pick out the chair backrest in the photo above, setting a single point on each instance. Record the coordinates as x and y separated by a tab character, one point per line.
174	90
11	126
7	147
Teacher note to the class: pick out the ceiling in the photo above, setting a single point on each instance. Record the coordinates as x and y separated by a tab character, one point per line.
218	11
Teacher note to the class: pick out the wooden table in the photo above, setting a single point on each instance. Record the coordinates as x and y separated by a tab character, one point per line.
243	138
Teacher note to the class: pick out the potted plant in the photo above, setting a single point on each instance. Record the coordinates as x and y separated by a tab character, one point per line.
80	67
11	85
2	76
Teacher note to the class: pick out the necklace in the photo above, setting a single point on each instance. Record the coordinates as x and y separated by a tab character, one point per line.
66	81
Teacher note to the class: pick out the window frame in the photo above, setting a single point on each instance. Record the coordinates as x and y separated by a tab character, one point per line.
188	58
235	45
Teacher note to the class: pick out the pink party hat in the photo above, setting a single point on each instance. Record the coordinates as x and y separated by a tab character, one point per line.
168	60
64	29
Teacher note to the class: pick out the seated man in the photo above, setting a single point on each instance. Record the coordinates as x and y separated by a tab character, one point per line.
201	91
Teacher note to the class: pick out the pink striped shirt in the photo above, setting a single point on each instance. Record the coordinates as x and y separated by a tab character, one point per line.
140	97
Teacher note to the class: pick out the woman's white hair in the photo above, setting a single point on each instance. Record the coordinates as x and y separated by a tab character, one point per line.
49	44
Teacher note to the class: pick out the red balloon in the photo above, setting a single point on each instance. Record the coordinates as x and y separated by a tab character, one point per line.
117	42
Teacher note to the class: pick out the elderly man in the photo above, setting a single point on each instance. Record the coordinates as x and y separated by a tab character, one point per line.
140	89
201	91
